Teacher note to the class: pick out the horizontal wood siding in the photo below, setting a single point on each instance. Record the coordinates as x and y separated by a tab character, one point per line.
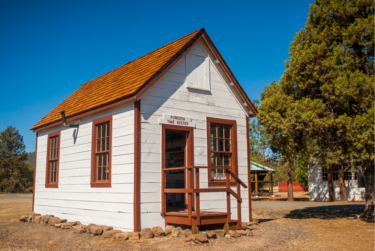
170	96
75	199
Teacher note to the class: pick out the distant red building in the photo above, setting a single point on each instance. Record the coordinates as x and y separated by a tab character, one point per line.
297	187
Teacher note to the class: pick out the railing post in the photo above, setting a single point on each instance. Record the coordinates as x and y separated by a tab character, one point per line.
197	199
228	195
189	195
163	195
239	225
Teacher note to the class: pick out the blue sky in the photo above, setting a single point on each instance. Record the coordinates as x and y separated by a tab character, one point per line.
50	48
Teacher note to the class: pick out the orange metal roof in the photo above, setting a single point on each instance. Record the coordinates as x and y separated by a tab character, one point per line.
117	84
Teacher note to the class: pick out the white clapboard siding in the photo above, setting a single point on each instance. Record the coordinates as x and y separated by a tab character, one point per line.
169	95
75	199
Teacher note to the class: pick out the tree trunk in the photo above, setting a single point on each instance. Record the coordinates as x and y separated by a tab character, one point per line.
342	184
331	191
369	186
264	158
290	185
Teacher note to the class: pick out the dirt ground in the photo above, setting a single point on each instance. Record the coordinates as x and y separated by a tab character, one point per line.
315	228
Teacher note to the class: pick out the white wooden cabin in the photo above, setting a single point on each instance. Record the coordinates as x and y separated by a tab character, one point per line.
160	140
318	184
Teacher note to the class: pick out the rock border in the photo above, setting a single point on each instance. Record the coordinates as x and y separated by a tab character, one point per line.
146	233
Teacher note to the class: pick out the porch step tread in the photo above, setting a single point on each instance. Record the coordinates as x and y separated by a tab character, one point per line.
202	213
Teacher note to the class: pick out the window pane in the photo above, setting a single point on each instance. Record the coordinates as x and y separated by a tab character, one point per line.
221	145
227	159
220	174
103	130
99	160
107	125
54	171
104	172
98	129
99	173
220	131
213	144
227	145
107	143
103	144
213	131
51	172
98	145
227	131
212	159
219	159
213	174
104	160
51	149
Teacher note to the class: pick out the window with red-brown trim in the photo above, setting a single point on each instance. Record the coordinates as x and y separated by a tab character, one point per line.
101	158
53	157
221	149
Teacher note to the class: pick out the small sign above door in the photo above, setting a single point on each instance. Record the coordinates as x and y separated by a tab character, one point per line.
176	120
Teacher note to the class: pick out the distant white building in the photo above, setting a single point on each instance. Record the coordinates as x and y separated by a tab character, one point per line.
318	184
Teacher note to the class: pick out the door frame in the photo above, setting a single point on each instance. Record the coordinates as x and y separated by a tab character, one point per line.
189	159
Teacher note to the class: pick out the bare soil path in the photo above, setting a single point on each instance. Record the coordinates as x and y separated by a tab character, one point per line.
295	226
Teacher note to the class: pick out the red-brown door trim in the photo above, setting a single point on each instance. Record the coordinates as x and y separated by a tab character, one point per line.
36	151
248	167
189	159
137	165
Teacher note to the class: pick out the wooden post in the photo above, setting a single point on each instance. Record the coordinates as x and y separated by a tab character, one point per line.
197	202
137	166
256	182
189	194
36	151
228	195
239	225
248	167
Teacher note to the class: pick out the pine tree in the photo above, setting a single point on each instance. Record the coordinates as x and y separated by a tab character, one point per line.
302	173
326	94
15	174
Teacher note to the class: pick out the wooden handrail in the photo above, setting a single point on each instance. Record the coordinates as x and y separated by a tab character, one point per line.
236	178
190	167
195	189
178	190
235	195
210	190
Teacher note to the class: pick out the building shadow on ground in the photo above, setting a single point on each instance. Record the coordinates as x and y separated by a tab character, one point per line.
328	212
277	199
